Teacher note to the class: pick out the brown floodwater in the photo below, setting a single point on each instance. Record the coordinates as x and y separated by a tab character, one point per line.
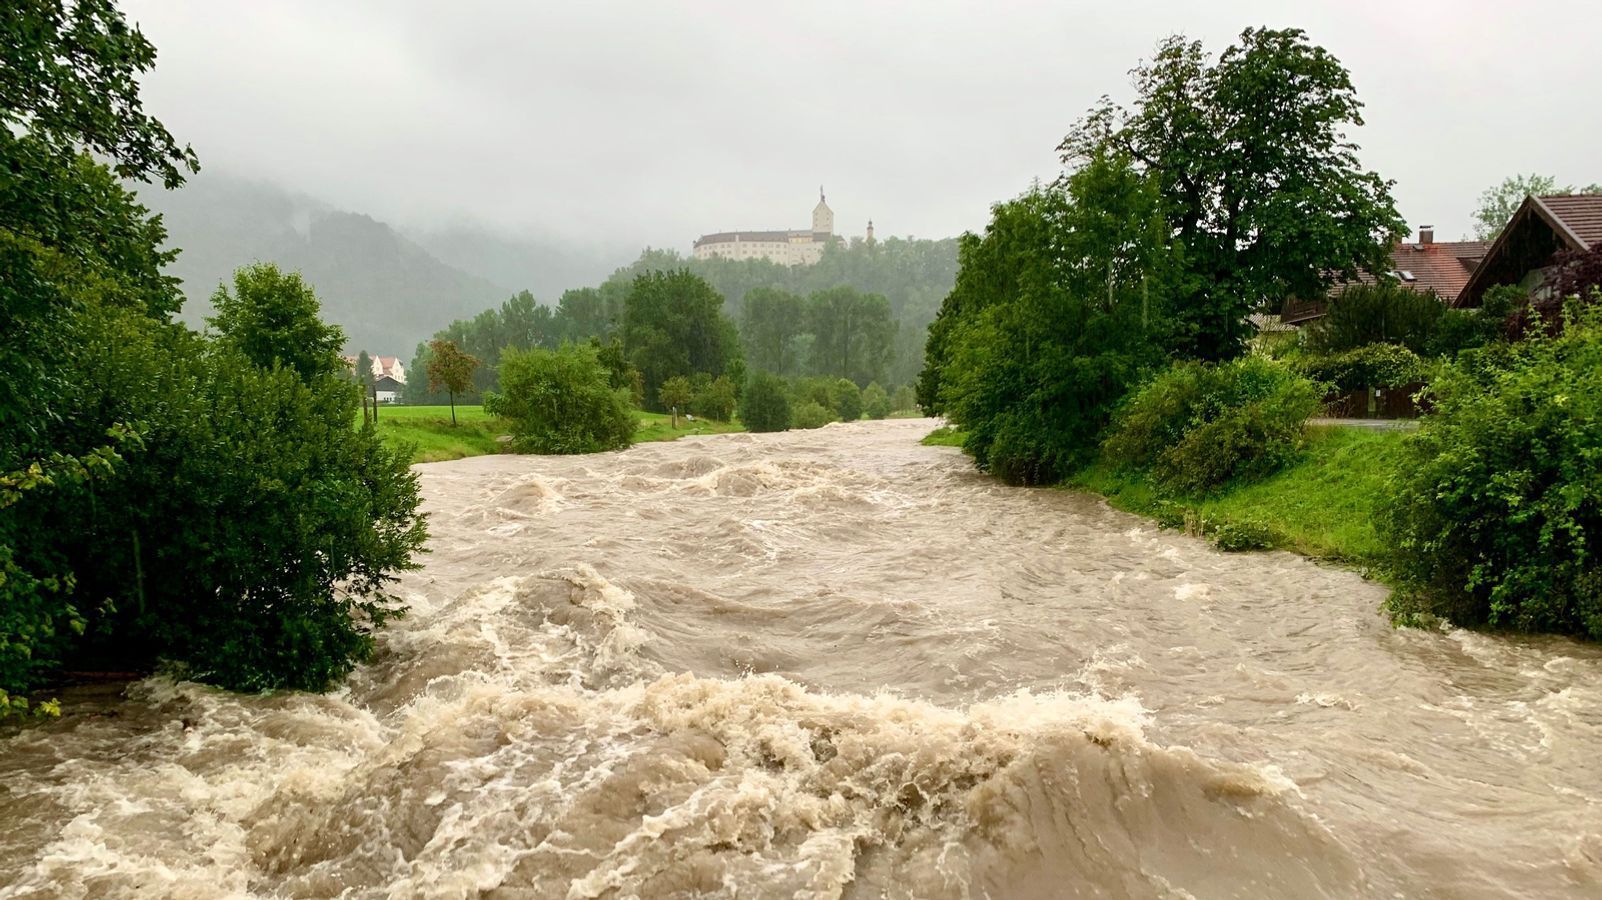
834	663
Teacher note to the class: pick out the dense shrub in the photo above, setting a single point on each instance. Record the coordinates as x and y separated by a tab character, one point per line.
811	414
1387	313
766	404
845	398
1371	365
1059	310
875	402
1196	425
561	401
818	389
714	398
1236	537
1496	515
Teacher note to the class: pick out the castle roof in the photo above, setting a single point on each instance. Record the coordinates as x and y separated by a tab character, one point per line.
729	237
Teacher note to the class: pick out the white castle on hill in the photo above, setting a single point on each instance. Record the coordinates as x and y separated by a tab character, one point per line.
790	248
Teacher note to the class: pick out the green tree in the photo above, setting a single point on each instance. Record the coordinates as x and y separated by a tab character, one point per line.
674	325
364	370
811	414
273	319
69	79
561	401
451	369
854	334
715	399
1499	203
676	393
845	398
765	405
770	321
1260	186
1036	344
875	402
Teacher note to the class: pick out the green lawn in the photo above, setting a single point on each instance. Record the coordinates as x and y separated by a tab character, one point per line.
944	436
659	427
428	430
1323	506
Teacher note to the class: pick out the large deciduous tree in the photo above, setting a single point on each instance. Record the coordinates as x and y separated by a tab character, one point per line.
69	79
1260	183
272	317
673	324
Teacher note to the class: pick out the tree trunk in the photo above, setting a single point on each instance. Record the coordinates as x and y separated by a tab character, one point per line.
453	409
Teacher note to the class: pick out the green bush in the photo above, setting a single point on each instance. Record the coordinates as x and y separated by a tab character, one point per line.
1496	514
905	399
845	398
817	389
875	402
561	401
1235	537
1389	313
1371	365
1196	425
811	414
714	399
766	404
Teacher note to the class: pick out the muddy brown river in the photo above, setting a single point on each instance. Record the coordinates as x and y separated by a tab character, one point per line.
826	664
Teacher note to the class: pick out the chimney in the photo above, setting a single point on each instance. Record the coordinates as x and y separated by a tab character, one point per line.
1426	234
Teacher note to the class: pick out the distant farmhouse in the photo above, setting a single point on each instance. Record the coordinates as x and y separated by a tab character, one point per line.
1460	272
389	376
790	248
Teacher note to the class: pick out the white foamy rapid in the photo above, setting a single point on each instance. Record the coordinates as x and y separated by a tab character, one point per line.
834	664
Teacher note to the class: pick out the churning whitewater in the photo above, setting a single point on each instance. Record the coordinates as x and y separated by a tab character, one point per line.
834	663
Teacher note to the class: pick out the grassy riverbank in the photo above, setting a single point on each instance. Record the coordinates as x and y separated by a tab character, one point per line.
428	430
1322	506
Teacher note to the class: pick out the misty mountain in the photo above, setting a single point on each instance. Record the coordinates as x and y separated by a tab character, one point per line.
387	292
544	269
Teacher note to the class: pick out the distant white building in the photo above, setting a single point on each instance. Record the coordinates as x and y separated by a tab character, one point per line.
790	247
389	376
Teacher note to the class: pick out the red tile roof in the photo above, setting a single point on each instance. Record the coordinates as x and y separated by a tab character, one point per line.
1443	266
1579	214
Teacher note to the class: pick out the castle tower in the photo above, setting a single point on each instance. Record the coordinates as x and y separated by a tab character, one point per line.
870	232
822	219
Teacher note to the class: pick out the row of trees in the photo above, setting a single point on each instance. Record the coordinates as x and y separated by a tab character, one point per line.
1227	186
860	313
164	494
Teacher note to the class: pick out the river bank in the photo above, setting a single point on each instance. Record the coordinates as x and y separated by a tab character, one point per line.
434	438
1322	506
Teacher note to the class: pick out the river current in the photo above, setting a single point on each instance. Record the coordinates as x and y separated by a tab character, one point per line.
834	663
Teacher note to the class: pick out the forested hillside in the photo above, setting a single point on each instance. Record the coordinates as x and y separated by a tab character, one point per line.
384	288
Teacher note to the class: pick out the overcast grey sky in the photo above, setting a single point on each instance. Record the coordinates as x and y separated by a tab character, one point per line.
632	123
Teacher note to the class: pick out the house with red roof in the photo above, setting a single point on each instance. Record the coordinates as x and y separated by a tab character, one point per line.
1460	272
1442	268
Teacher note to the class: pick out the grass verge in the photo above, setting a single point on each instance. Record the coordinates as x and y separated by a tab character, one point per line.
944	436
432	437
1323	506
659	427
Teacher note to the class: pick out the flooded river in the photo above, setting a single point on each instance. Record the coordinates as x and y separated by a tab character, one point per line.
835	664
